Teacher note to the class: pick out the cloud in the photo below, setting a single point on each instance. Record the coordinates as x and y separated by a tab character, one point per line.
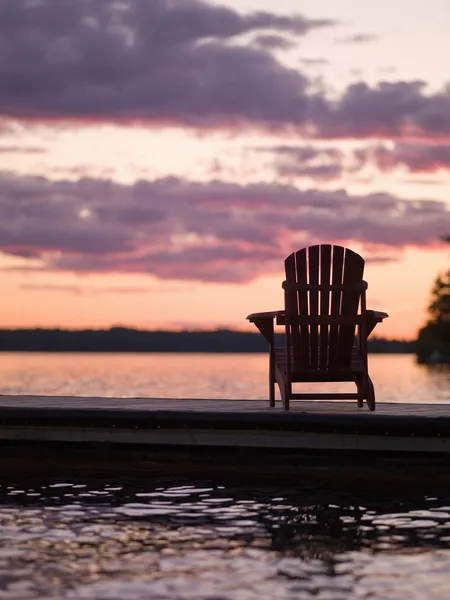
302	153
184	230
320	172
390	109
314	61
273	42
185	63
72	289
415	181
21	150
321	164
158	60
6	128
80	290
359	38
416	157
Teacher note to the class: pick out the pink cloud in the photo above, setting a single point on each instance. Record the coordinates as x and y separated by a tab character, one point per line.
214	231
415	156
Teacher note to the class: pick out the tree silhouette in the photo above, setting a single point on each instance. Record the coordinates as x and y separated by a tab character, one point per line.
439	308
434	339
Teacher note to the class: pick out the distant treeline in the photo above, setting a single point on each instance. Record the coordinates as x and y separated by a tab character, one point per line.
122	339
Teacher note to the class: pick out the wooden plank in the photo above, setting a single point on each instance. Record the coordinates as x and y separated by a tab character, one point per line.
128	405
353	273
325	271
228	438
301	277
335	305
313	279
291	307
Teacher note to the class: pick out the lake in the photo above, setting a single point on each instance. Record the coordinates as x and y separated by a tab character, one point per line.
150	533
397	377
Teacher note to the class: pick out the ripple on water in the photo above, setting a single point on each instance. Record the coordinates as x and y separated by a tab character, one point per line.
113	541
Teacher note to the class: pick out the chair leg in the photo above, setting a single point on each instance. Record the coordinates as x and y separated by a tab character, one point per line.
271	392
271	379
360	390
370	395
284	391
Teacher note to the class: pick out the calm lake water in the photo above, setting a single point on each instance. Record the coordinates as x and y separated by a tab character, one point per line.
397	377
182	535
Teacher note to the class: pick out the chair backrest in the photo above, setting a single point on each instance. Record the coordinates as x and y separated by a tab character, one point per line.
324	288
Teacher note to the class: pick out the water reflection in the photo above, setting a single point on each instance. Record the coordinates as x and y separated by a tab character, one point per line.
397	378
200	539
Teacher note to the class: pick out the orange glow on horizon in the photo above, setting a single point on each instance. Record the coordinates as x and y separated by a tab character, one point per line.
400	288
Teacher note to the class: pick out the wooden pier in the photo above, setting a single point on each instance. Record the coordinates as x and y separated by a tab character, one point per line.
192	423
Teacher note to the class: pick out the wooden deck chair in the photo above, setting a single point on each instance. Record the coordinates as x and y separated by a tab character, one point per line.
326	325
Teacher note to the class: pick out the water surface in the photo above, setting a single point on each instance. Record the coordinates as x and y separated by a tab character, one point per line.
138	533
397	378
198	539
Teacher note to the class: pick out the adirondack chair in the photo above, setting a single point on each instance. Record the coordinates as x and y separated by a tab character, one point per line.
326	325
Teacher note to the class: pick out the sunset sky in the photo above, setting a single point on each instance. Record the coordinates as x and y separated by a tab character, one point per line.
160	158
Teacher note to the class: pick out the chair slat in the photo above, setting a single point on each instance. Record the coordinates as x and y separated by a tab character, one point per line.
335	303
291	305
353	273
313	279
301	277
325	271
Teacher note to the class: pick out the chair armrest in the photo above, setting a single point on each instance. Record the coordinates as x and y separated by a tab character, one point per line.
373	318
265	315
264	322
377	315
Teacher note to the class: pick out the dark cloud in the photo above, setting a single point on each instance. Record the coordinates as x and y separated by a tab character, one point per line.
416	157
388	110
273	42
138	59
320	172
321	164
213	231
183	62
302	153
359	38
